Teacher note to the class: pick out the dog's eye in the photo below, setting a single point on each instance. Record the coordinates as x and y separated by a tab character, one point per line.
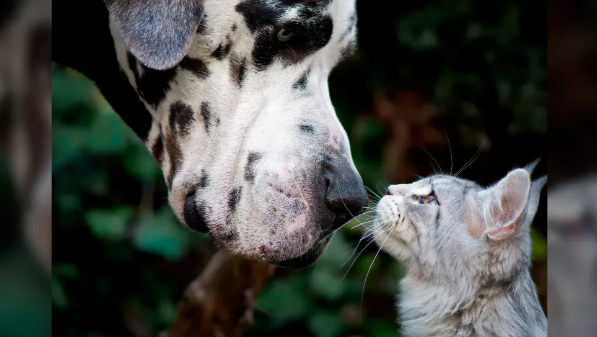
285	35
430	199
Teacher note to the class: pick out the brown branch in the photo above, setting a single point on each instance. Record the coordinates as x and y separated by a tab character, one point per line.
219	303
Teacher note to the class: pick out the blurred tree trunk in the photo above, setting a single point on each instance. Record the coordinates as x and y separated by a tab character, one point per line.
219	303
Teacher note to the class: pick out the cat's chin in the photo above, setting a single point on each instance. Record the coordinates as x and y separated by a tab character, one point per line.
393	246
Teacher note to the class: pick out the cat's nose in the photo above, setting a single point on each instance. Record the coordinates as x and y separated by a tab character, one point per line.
401	189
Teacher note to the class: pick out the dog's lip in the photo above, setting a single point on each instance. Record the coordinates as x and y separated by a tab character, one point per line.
307	259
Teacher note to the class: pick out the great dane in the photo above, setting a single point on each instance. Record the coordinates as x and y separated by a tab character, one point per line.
231	97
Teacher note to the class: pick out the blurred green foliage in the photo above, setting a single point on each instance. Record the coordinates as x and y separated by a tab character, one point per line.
24	290
121	259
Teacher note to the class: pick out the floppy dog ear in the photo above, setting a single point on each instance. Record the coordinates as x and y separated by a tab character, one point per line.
158	32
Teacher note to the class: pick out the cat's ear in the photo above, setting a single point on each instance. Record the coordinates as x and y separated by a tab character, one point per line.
534	197
531	166
157	32
503	206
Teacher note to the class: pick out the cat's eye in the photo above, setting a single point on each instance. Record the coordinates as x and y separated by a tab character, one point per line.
430	199
284	35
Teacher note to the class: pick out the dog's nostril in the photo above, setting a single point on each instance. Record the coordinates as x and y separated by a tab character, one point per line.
192	217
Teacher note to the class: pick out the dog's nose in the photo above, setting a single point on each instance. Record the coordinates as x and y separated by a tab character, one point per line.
345	195
193	215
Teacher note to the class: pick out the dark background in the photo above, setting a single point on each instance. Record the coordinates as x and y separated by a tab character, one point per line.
471	72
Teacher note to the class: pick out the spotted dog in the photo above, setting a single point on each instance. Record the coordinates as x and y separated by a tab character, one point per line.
231	97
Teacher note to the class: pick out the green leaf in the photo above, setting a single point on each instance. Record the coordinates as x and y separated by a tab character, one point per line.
381	328
65	270
139	163
337	253
326	283
108	134
326	324
285	300
69	90
539	248
59	295
326	276
67	143
160	233
109	224
366	262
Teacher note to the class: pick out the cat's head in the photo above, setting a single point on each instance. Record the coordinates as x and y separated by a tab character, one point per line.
452	229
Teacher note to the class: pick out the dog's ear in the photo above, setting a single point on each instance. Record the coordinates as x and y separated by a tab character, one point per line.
158	32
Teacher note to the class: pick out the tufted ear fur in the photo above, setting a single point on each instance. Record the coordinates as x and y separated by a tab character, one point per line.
503	205
158	32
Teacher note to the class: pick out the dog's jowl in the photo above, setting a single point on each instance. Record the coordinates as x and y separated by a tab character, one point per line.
232	99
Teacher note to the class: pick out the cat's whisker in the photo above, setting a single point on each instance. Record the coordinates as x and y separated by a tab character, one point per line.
362	224
370	266
450	147
378	189
377	222
370	190
355	259
438	165
472	160
418	176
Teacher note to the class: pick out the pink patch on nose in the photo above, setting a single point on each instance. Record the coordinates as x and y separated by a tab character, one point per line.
297	223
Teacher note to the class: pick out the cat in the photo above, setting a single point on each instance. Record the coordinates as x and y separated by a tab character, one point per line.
467	251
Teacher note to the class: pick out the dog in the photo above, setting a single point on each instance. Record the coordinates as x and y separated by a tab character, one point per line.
231	97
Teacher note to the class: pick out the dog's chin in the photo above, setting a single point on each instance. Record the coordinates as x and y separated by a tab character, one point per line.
307	259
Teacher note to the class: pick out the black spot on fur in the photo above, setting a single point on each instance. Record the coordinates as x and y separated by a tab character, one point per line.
222	51
250	168
238	68
301	83
312	28
181	117
234	27
158	150
154	84
206	113
197	67
175	155
234	198
204	181
202	25
306	128
258	13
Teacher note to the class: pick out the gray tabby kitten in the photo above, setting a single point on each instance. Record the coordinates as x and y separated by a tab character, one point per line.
467	253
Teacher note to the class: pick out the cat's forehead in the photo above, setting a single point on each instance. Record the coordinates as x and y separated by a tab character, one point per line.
441	181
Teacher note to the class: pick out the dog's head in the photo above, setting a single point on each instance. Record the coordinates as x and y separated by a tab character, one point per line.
243	126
